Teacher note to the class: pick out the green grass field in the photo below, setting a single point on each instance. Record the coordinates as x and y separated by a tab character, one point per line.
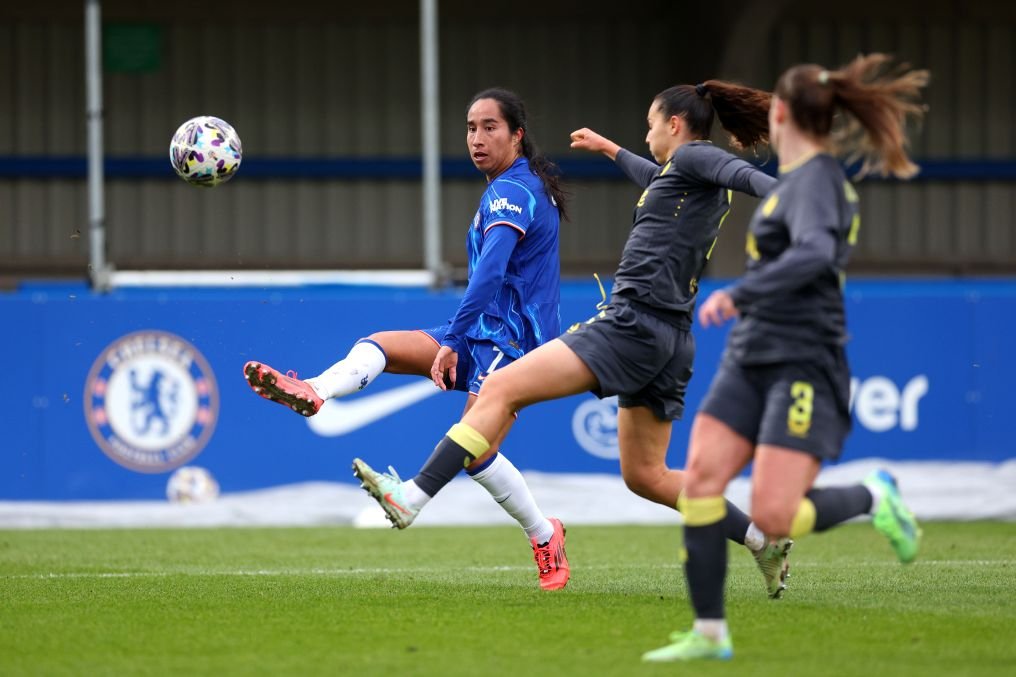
457	601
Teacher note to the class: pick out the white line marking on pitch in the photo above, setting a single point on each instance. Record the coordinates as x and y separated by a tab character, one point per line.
373	571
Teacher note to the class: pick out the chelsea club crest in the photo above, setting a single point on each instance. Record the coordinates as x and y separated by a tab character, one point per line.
151	401
594	425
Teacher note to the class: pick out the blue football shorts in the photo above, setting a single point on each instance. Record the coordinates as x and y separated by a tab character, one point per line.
481	358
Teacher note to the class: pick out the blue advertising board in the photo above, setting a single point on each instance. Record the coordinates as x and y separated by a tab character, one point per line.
107	393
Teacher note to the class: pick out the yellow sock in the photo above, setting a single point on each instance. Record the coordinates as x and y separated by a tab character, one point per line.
700	512
804	520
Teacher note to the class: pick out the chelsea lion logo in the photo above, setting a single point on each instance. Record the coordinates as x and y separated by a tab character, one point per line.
151	401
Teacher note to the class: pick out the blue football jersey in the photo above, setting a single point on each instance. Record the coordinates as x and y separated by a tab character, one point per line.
525	310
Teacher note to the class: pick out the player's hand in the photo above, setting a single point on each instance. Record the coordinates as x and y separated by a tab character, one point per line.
587	139
717	309
444	363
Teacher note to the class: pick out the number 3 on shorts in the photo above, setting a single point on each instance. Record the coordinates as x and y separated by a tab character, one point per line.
799	414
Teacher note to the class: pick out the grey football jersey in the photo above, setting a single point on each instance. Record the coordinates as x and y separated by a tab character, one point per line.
799	240
677	220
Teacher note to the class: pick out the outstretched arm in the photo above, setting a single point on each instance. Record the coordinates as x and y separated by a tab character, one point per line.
587	139
638	169
719	167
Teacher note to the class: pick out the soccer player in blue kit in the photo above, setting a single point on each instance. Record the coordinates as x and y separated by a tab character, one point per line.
780	397
511	305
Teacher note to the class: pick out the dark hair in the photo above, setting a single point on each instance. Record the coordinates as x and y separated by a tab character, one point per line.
513	110
877	103
743	111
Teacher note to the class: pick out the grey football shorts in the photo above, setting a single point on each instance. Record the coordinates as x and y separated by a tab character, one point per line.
797	405
640	357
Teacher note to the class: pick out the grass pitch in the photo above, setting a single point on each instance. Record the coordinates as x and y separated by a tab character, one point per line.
457	601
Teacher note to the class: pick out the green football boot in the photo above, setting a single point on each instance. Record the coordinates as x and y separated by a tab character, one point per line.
691	646
893	519
386	489
774	564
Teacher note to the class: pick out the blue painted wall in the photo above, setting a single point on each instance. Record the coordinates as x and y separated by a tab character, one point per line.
931	363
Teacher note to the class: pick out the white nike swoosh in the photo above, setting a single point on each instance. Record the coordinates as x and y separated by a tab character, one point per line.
339	417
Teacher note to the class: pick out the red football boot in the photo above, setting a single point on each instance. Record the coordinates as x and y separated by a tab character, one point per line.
551	560
285	389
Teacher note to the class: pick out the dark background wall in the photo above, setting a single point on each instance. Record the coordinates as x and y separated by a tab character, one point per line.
326	101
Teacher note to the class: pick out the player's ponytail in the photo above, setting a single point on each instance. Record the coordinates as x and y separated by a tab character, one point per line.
877	102
743	111
513	110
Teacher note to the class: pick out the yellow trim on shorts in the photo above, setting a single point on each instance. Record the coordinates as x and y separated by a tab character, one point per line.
700	512
804	520
469	439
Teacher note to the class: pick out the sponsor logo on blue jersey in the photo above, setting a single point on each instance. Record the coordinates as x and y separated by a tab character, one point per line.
151	401
501	204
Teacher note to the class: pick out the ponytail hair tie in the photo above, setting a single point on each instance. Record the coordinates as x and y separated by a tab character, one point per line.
823	77
701	90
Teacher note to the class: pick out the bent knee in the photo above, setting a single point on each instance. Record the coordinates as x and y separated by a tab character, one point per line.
637	481
648	481
705	479
497	390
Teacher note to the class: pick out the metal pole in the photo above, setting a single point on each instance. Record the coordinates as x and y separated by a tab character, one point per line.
98	269
431	141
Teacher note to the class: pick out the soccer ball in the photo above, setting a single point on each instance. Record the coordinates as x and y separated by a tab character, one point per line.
205	151
191	484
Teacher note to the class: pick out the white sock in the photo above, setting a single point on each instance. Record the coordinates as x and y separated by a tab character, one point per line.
354	372
754	538
505	483
876	497
414	495
713	628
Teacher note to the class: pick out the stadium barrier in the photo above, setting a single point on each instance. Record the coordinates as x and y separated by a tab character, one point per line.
110	392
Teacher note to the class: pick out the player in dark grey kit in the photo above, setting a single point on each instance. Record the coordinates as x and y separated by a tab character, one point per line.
639	346
781	394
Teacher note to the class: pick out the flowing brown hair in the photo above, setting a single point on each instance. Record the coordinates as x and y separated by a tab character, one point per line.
878	98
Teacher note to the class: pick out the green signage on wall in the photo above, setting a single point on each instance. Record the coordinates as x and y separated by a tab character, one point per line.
132	48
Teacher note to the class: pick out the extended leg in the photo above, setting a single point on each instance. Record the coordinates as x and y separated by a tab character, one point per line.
549	372
397	352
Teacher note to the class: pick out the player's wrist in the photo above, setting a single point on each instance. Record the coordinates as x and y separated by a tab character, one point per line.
735	294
